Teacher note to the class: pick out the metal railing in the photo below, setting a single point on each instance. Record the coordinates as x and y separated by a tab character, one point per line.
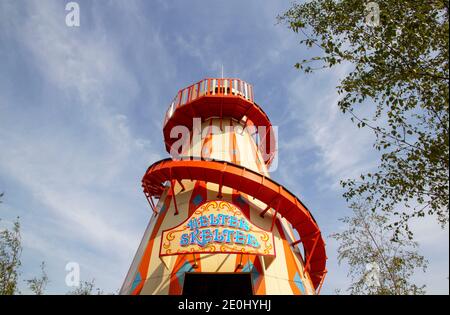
210	87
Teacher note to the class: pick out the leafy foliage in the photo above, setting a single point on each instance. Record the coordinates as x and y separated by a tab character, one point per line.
10	251
400	66
86	288
37	285
366	242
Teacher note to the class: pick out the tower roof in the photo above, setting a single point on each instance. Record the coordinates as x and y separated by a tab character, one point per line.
217	97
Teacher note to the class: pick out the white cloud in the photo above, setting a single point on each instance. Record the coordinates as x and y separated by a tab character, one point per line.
82	165
77	153
342	150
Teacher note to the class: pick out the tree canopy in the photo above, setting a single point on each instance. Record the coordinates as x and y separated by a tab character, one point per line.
10	251
399	66
377	264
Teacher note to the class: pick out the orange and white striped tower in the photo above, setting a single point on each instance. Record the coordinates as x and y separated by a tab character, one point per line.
219	217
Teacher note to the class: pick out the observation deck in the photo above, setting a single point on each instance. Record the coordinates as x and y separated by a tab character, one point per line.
212	97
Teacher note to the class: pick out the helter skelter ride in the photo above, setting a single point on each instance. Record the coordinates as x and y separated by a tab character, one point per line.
220	224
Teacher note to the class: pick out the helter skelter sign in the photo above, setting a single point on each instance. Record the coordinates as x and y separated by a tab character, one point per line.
217	227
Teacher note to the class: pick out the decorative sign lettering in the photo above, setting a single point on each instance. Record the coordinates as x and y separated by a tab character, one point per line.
217	227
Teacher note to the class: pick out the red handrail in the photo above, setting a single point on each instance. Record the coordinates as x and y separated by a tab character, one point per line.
209	100
253	184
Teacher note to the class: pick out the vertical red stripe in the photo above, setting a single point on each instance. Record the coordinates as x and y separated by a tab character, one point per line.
234	150
241	200
175	288
199	195
290	260
207	144
145	260
254	147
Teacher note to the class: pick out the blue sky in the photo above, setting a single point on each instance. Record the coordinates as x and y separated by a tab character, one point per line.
81	113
